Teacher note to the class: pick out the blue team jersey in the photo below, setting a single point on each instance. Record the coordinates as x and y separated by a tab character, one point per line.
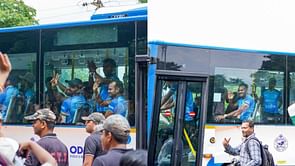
270	100
246	114
104	94
189	105
5	98
70	106
119	105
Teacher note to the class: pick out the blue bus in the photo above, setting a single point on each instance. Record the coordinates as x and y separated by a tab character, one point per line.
38	53
202	53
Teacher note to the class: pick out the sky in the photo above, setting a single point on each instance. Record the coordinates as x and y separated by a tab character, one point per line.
56	11
253	24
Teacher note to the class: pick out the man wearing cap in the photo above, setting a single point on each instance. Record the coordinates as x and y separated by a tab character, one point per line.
114	138
27	87
72	104
92	146
43	124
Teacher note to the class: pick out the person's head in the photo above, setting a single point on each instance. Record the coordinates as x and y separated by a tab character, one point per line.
272	83
247	128
134	158
93	121
27	80
109	66
74	85
115	88
116	131
242	90
43	121
11	80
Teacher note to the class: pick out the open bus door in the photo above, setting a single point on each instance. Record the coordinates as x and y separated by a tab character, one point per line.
178	119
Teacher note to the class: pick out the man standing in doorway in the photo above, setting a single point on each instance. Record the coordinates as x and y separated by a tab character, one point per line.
250	156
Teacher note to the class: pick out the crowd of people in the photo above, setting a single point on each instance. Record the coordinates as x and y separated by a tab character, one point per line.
108	128
69	102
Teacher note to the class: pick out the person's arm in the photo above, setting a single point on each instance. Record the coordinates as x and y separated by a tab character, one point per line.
5	68
230	150
41	154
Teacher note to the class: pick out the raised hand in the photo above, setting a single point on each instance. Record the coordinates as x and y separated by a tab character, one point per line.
91	66
5	68
225	142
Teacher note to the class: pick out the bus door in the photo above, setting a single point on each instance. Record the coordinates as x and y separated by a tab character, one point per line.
178	119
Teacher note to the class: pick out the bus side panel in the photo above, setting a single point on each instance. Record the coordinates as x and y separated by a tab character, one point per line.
278	138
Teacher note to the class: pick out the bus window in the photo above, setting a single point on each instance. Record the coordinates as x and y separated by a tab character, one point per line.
165	129
70	56
20	96
191	122
249	92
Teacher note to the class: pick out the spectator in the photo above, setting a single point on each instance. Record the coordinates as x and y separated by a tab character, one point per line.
250	159
115	135
44	122
134	158
92	146
11	152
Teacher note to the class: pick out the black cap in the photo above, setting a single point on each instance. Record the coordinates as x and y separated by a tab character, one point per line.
75	82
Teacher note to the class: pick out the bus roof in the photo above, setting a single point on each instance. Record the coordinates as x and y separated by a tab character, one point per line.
120	11
124	14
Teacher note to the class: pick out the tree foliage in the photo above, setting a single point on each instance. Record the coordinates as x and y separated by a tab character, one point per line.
16	13
143	1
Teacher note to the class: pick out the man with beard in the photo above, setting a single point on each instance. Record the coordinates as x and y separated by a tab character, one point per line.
246	159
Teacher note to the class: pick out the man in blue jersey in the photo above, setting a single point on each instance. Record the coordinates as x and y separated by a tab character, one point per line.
7	95
101	83
71	105
271	101
246	105
118	104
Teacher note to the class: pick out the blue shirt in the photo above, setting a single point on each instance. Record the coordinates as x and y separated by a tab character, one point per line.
119	105
248	100
5	98
104	94
70	106
189	105
270	100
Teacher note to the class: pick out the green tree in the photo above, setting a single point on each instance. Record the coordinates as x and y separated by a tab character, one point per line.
143	1
16	13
